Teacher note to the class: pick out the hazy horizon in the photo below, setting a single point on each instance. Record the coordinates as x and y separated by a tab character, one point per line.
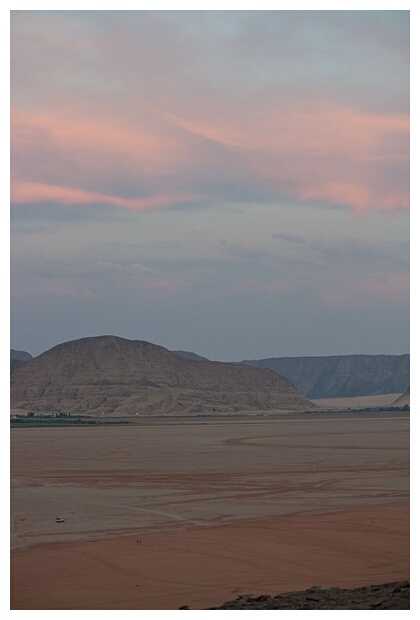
230	183
23	350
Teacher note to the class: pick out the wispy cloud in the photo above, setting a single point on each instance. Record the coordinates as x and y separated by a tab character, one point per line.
298	239
369	290
244	252
26	193
355	253
325	154
193	116
92	280
169	168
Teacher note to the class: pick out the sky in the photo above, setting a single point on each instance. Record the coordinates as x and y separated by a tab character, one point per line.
233	183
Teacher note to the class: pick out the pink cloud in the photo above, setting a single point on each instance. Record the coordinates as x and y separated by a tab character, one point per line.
323	152
70	134
24	193
393	286
388	288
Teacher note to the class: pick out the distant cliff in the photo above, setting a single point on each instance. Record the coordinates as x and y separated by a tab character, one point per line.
342	375
18	359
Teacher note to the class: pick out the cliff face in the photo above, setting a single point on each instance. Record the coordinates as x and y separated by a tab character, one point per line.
107	374
342	375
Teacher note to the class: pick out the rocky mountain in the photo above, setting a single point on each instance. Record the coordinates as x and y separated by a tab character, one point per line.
342	375
18	359
106	374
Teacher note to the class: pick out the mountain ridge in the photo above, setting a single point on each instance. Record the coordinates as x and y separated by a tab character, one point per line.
108	374
339	376
18	359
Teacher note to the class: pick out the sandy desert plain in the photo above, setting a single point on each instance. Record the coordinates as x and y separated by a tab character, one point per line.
166	513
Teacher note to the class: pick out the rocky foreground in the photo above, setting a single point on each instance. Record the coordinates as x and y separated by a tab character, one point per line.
395	595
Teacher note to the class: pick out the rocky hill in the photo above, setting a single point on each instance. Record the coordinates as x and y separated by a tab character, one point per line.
110	375
342	375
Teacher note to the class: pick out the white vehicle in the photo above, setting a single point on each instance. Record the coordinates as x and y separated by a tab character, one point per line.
59	520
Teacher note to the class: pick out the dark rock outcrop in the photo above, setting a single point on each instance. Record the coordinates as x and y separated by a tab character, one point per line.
395	595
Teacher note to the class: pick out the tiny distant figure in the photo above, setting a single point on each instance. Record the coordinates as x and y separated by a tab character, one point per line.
139	541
